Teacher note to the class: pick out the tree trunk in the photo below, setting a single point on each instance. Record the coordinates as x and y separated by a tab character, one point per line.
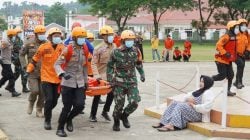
156	23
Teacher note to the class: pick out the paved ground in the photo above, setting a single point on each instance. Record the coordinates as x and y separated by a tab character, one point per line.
19	126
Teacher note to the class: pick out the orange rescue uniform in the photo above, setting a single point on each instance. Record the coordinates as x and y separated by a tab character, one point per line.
48	56
169	43
220	47
117	41
188	45
242	43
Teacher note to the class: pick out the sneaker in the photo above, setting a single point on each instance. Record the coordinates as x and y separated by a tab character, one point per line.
106	116
92	119
229	93
61	133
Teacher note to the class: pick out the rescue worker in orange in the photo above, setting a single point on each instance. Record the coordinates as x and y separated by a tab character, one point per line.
47	54
186	55
243	51
177	54
34	78
99	62
74	59
187	44
226	47
90	38
169	43
117	40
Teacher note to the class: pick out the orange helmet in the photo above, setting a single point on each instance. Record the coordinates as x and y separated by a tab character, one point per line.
79	31
39	29
106	30
75	24
54	30
128	34
90	35
242	21
231	24
18	30
11	32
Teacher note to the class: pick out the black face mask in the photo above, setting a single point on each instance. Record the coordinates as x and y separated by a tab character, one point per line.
208	83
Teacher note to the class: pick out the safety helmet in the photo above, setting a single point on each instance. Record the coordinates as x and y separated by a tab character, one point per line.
231	24
90	35
242	20
40	29
128	34
18	30
75	24
54	30
11	32
106	30
79	31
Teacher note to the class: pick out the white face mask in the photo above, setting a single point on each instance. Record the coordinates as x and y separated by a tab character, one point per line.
236	30
243	28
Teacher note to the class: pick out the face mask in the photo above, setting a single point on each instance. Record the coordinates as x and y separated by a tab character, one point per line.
129	43
13	39
243	28
42	37
19	35
56	40
236	30
80	41
110	39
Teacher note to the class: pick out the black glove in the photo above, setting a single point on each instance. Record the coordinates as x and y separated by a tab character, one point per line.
142	78
98	80
86	85
227	54
247	54
65	76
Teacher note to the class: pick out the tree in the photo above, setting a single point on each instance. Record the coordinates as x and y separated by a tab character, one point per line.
3	25
116	10
56	14
206	11
234	9
160	7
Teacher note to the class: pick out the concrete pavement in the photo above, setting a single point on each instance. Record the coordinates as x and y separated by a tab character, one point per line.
18	125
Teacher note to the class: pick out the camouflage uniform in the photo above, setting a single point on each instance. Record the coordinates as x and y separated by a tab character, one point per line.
122	75
34	77
18	44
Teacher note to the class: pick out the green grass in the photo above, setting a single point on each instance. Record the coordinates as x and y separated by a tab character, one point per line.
199	52
204	52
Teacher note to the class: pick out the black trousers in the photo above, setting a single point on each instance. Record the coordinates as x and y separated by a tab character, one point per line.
51	95
224	71
106	107
178	58
7	75
240	62
186	58
71	97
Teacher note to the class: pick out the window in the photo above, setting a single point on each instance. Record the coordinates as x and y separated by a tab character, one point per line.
189	33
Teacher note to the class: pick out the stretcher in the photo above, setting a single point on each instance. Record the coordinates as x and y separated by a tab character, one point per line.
96	87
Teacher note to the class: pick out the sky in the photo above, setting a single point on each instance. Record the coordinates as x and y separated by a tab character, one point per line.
44	2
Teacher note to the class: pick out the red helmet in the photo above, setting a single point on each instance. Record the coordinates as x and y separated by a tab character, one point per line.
75	24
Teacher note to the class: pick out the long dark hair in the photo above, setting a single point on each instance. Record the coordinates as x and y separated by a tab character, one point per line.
208	83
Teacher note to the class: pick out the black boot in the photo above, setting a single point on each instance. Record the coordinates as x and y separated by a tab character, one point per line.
125	121
69	126
106	116
15	94
47	125
229	93
25	89
116	126
61	133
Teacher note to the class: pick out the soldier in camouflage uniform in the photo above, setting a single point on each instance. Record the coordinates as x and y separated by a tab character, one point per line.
122	76
18	44
34	78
